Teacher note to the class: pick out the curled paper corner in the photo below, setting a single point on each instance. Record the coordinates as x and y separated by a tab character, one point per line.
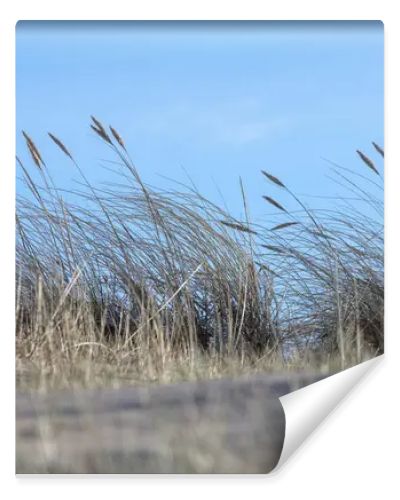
308	407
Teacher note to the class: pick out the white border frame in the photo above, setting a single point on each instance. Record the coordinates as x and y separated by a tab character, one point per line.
349	455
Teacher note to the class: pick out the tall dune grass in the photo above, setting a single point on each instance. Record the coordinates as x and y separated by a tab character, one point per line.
130	282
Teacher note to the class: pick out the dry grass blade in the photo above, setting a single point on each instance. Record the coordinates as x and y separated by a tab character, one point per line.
263	267
379	149
273	179
274	203
66	292
282	226
18	160
60	145
117	137
273	248
99	344
238	227
320	234
367	161
170	299
33	150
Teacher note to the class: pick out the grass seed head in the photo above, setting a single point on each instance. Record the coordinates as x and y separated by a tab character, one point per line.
379	149
238	227
273	179
117	137
33	150
367	161
274	203
60	145
100	130
283	226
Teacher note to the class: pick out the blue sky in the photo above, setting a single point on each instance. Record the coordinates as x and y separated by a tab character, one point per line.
213	101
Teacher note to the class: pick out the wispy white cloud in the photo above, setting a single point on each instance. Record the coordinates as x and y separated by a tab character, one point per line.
236	123
250	131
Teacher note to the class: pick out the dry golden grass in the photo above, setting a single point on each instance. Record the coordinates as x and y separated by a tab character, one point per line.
131	284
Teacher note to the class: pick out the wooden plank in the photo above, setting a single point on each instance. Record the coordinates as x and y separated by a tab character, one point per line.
221	426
